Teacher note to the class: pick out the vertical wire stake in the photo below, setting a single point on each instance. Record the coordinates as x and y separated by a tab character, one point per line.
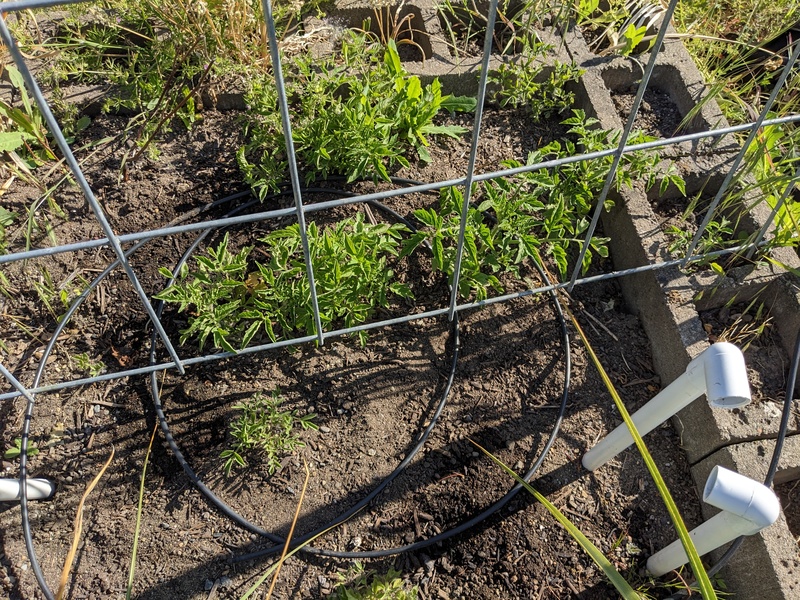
473	153
626	132
23	475
740	156
283	104
69	158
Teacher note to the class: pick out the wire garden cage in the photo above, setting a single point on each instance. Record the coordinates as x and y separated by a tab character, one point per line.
380	225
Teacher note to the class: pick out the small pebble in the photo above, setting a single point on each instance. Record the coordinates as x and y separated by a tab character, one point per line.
208	585
225	582
371	452
324	429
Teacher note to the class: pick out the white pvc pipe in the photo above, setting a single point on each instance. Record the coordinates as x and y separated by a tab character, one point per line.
747	508
719	372
38	489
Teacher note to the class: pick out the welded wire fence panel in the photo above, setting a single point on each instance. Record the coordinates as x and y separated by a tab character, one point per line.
127	245
466	182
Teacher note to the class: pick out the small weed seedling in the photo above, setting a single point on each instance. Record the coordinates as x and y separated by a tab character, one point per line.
266	431
361	584
52	296
716	237
14	451
87	365
7	218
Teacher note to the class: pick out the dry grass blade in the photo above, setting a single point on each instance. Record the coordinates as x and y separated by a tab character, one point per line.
62	584
291	531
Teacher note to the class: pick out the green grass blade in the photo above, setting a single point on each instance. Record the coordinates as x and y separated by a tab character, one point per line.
706	589
623	587
137	528
278	563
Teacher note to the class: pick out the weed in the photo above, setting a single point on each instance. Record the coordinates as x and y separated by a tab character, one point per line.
357	118
465	24
52	296
717	236
23	129
748	326
391	25
232	301
87	365
157	57
621	25
263	429
14	451
7	219
362	584
532	215
521	83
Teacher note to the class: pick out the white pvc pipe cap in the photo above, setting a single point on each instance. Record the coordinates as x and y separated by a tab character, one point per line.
743	497
37	489
725	375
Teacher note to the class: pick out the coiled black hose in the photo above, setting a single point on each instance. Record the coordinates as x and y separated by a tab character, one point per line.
278	541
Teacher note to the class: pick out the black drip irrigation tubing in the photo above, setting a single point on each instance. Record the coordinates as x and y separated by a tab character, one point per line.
279	542
23	470
494	508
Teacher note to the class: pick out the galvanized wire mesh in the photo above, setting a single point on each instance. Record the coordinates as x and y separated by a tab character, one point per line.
300	210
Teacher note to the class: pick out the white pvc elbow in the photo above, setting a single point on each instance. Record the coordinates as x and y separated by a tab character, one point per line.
718	372
37	489
747	508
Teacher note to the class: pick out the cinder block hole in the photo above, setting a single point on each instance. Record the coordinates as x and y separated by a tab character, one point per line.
667	98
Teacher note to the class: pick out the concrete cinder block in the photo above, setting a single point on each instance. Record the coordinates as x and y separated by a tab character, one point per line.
667	302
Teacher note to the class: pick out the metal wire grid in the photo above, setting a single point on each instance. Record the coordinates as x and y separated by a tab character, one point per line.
115	242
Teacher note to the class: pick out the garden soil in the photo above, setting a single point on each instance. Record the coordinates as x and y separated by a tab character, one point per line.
372	402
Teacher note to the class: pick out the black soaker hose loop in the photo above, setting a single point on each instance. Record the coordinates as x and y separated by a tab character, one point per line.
198	482
233	515
23	470
489	511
